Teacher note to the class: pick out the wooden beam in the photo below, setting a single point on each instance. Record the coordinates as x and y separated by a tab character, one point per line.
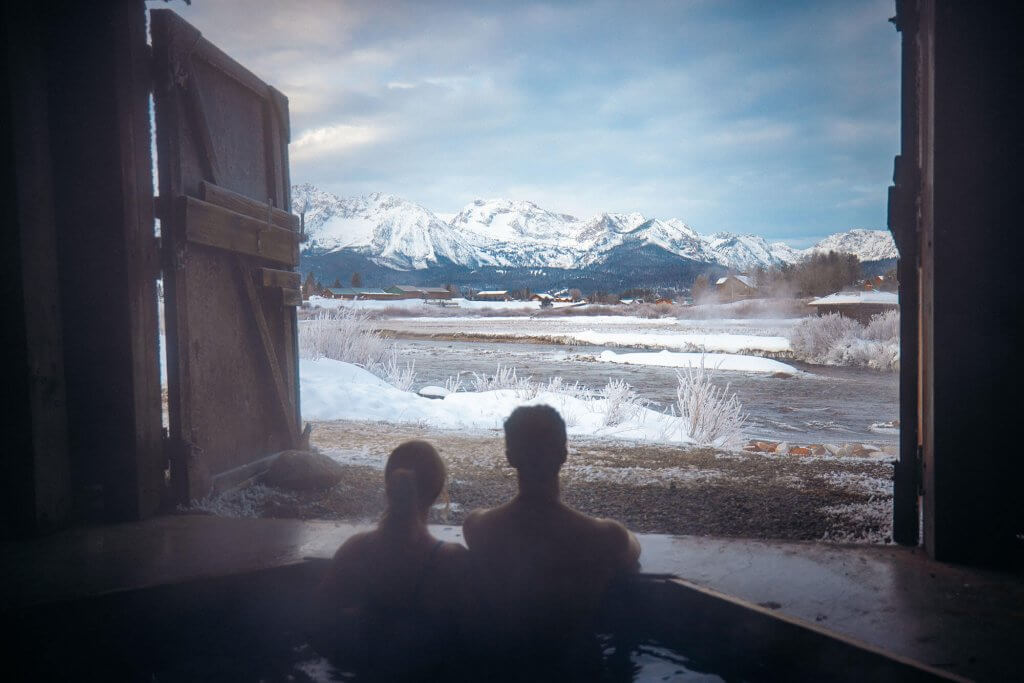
194	103
246	206
217	227
269	277
291	297
269	354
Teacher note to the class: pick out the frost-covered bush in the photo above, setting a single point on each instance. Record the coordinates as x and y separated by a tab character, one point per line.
343	334
883	327
556	385
400	376
504	377
877	355
836	340
453	384
712	416
348	335
813	337
620	402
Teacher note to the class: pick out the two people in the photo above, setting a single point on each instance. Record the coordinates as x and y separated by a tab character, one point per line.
533	575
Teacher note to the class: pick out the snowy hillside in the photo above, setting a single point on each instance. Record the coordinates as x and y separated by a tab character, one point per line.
392	232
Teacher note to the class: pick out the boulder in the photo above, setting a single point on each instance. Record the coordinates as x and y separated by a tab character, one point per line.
818	449
799	450
433	392
303	471
831	448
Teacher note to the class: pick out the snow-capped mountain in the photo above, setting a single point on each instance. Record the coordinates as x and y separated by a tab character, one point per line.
745	252
867	245
500	233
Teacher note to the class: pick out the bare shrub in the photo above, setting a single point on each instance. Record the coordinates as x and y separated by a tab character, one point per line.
713	416
342	334
556	385
454	383
812	337
347	335
621	402
877	355
397	375
504	377
883	326
836	340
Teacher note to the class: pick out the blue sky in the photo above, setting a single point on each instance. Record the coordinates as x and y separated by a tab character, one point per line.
774	118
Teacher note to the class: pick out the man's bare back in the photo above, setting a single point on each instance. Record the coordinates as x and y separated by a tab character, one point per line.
541	566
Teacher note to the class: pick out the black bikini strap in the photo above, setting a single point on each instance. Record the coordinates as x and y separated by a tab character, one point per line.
423	572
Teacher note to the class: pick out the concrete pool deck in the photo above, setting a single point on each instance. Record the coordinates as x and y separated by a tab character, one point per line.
966	621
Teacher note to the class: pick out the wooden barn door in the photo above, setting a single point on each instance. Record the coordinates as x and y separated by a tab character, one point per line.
229	248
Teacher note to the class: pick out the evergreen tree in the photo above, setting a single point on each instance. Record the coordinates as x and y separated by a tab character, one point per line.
357	279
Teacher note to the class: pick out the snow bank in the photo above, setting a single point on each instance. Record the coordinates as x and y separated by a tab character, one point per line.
717	361
429	304
333	390
723	343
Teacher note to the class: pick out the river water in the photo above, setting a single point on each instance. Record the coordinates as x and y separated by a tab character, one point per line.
819	405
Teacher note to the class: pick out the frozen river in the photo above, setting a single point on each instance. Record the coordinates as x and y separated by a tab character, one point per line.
819	405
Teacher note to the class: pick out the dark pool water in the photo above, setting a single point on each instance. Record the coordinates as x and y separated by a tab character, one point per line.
646	661
819	405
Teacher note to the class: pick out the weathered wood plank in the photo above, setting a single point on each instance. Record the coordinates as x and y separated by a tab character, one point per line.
269	354
200	123
246	206
214	226
291	297
270	277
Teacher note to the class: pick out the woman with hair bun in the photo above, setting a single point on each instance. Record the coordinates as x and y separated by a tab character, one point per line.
393	596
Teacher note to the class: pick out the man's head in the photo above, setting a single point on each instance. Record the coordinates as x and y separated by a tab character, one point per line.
535	440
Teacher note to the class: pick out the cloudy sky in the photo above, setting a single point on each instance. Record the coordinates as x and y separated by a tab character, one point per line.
775	118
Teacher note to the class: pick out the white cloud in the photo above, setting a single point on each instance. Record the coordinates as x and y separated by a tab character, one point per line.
332	140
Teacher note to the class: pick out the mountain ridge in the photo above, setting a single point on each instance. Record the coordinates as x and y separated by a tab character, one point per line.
395	234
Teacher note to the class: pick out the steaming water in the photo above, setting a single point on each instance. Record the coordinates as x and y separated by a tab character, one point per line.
820	405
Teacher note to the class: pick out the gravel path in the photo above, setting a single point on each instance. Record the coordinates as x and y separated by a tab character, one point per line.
651	488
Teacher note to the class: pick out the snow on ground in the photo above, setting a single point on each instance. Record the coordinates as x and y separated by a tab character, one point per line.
714	361
332	390
430	305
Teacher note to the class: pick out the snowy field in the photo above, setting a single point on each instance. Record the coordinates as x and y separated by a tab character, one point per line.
716	361
716	336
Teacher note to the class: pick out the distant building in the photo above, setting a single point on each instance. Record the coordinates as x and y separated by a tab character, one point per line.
436	293
878	283
494	295
405	291
413	292
735	287
339	293
859	305
358	293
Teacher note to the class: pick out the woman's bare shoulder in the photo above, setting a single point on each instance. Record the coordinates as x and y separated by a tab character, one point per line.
355	545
